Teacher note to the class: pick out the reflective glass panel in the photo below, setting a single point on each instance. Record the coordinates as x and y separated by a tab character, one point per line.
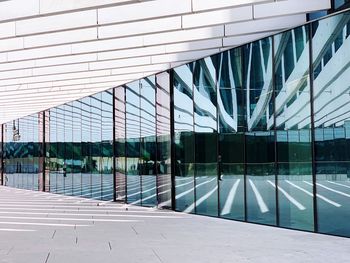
77	148
163	140
260	154
120	154
86	165
205	125
293	124
183	137
331	56
231	112
133	129
96	136
107	145
148	141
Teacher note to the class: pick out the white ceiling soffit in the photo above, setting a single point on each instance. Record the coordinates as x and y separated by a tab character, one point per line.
55	51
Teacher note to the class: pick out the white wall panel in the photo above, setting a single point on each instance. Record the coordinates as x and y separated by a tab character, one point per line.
3	57
132	52
38	53
184	35
120	63
218	17
16	73
61	69
16	65
184	56
289	7
142	27
60	37
238	40
56	22
18	8
65	60
11	44
143	10
258	25
193	45
51	6
145	68
110	44
200	5
48	62
7	29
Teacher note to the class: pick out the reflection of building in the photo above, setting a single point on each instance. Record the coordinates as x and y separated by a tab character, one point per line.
257	133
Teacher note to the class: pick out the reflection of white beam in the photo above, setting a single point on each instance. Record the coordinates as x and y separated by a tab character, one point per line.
262	205
288	196
329	92
311	194
230	198
200	200
223	115
291	86
336	116
266	91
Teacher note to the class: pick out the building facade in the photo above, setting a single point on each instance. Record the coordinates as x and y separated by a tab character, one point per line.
258	133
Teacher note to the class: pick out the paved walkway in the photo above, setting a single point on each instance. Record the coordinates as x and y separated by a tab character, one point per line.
47	228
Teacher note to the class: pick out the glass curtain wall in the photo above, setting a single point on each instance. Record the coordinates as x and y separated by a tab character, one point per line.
231	127
148	145
77	148
184	161
46	150
86	166
21	153
133	142
67	169
120	143
163	124
259	137
205	138
60	179
293	128
259	133
107	144
51	149
79	151
331	78
95	146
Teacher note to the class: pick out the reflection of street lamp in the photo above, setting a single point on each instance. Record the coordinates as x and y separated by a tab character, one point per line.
15	131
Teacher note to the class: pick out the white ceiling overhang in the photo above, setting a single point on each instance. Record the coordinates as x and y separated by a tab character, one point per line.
55	51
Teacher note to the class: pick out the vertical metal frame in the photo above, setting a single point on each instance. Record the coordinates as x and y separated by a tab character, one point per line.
245	167
172	139
194	143
113	150
156	137
125	149
139	140
218	164
2	154
313	163
275	129
43	151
